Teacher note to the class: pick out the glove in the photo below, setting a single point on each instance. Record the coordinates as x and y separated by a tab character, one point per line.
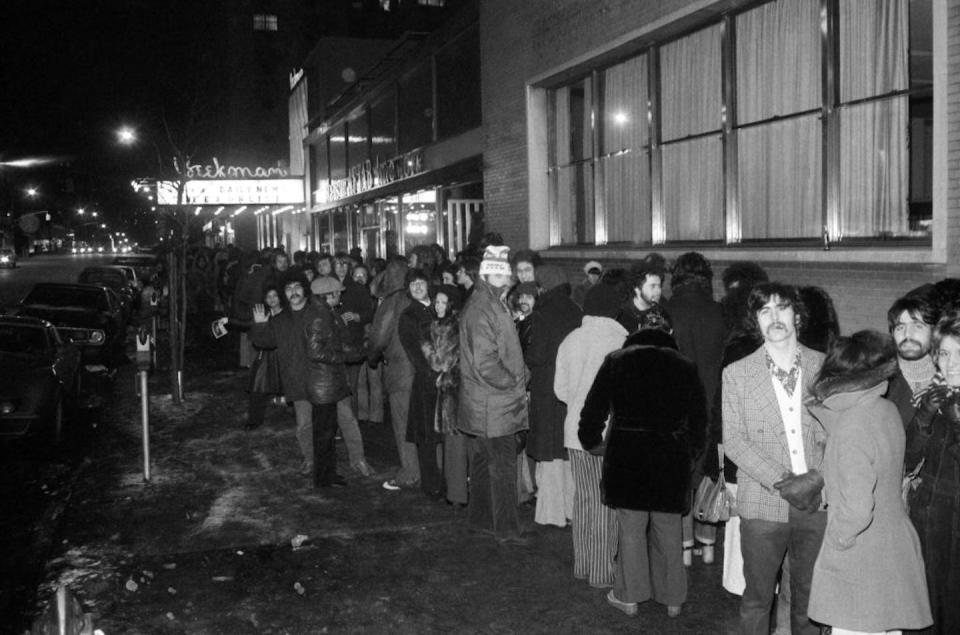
802	491
929	406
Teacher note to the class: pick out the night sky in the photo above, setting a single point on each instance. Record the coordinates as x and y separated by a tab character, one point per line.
72	71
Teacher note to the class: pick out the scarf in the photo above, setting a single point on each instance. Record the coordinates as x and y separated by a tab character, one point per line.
788	378
918	372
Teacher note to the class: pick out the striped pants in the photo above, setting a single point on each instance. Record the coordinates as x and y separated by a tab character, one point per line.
594	524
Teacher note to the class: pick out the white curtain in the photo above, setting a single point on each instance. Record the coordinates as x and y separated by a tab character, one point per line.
626	196
874	40
693	189
778	60
874	168
625	178
779	179
874	162
690	76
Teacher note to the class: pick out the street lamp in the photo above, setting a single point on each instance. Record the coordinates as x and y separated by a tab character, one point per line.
32	192
80	211
126	135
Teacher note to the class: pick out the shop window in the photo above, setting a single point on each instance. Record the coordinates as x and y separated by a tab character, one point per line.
320	170
419	213
458	85
383	132
798	153
264	22
415	108
338	153
389	210
341	233
358	141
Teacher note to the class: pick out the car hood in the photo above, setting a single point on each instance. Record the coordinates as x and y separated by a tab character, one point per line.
78	317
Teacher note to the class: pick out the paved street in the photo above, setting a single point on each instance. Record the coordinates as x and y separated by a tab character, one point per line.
15	283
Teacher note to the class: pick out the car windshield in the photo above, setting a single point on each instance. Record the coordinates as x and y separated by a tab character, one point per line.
103	276
22	339
67	296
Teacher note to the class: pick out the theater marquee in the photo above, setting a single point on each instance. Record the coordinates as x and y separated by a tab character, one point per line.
233	192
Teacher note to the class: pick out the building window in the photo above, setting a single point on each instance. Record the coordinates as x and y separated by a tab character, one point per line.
763	126
264	22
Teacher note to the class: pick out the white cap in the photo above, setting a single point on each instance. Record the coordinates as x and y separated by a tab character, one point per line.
496	260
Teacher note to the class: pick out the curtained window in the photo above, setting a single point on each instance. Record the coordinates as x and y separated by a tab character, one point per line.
571	172
779	161
691	104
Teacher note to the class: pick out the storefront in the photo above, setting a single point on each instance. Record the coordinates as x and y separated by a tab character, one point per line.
398	161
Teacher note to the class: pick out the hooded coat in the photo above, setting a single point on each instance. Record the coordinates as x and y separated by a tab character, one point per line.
869	575
658	416
554	317
493	376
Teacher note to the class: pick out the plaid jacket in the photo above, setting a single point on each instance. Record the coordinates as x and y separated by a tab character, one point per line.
754	436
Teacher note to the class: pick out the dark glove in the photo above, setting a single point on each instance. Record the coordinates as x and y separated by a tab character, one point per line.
802	490
929	406
598	450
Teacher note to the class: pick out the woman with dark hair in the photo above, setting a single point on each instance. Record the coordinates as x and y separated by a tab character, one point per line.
933	447
441	346
868	576
324	265
265	370
413	328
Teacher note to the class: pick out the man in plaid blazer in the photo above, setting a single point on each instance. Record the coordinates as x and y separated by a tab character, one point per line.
778	448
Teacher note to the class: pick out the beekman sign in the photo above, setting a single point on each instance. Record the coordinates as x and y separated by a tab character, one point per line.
215	184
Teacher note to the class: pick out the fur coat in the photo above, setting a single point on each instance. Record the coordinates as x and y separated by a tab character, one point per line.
442	350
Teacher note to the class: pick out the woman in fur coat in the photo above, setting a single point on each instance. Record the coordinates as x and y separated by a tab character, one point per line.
869	574
442	350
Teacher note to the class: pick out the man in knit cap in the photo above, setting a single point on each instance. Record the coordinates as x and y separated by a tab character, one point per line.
493	399
591	272
578	359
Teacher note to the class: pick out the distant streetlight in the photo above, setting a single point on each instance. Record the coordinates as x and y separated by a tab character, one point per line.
103	226
94	214
32	192
126	135
80	211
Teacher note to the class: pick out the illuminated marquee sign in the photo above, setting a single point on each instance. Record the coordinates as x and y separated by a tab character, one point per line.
216	171
233	192
368	175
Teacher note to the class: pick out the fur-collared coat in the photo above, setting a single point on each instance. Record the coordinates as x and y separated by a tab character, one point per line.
658	422
442	350
869	575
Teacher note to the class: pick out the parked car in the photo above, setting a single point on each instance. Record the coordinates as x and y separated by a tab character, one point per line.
88	315
144	264
8	257
113	278
39	378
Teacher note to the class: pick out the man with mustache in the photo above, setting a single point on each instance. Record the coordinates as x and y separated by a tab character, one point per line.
778	447
287	333
911	320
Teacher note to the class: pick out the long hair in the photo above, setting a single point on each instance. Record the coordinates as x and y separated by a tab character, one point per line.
859	361
761	294
822	326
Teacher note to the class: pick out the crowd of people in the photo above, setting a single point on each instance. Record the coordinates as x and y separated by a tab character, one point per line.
603	405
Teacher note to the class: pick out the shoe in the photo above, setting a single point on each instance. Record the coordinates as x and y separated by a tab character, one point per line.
515	541
628	608
306	468
363	469
337	481
673	611
687	556
391	485
708	554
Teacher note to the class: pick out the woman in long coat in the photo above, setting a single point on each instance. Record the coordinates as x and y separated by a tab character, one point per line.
265	371
869	574
657	425
413	329
933	437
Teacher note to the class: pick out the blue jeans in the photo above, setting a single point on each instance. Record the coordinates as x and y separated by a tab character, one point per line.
764	544
493	481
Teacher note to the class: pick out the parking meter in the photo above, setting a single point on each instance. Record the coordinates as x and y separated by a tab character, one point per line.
144	358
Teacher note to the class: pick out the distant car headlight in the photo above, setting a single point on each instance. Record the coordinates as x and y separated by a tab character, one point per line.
7	406
74	250
4	258
100	250
97	337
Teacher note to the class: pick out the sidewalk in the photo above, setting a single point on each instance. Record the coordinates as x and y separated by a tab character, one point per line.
209	545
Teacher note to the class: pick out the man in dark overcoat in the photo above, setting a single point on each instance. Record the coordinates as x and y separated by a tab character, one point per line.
657	425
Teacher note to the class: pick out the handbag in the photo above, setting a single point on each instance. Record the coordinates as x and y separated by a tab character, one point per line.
712	502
